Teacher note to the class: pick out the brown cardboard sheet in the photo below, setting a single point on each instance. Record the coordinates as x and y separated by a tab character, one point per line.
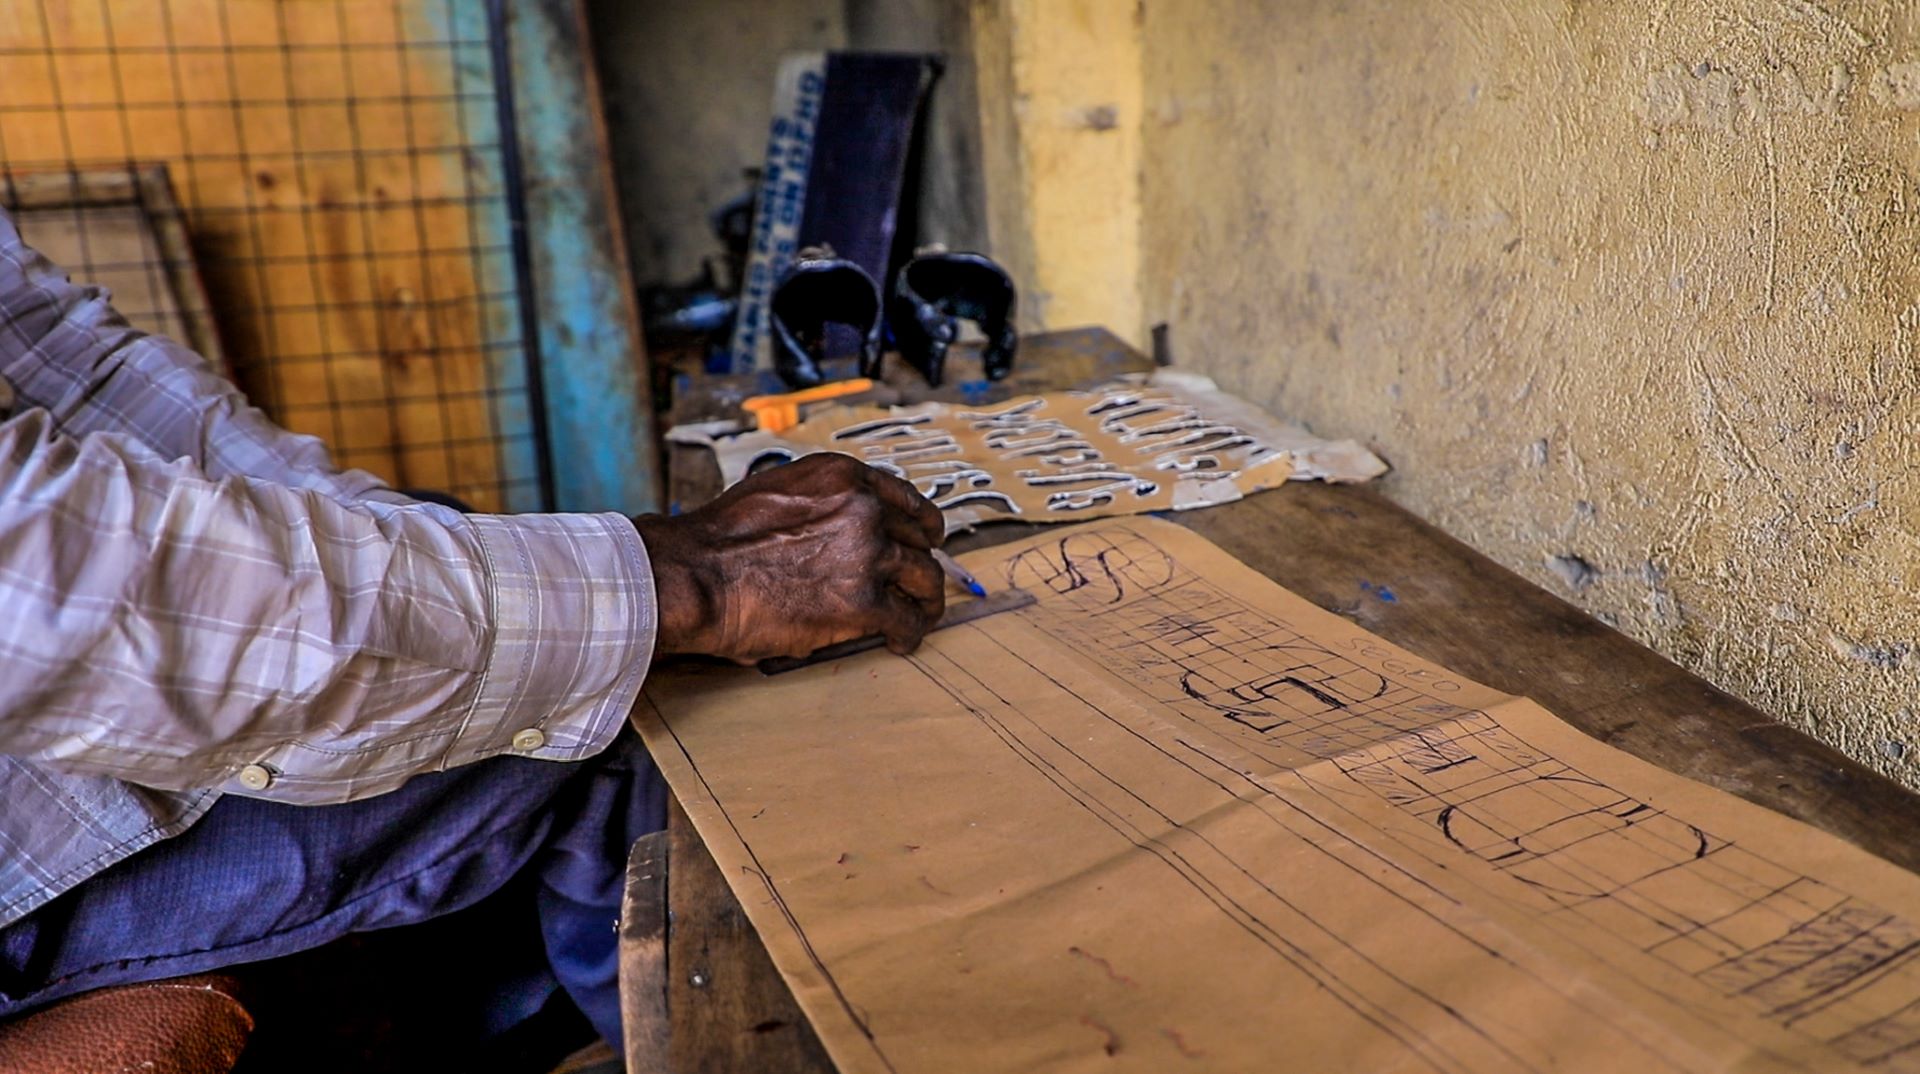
1168	442
1172	817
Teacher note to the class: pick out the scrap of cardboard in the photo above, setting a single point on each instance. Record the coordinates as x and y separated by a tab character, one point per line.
1174	817
1168	442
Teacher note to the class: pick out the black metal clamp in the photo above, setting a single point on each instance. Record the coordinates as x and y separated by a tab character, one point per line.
819	289
933	292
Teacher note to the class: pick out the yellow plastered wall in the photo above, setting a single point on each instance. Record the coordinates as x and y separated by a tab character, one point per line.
1626	292
1060	100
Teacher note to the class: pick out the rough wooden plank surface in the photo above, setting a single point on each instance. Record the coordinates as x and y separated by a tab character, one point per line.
1353	551
643	955
728	1007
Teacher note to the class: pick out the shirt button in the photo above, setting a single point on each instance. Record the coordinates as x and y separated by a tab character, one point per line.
255	777
529	740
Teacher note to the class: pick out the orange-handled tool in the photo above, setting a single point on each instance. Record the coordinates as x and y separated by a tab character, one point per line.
778	413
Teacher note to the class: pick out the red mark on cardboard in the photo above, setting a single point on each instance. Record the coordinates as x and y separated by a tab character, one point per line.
1180	1042
1112	1044
1103	964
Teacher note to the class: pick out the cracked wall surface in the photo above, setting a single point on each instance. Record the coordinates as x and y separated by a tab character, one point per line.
1627	292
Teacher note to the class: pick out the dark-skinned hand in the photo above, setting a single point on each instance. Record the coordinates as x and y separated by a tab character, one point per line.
823	549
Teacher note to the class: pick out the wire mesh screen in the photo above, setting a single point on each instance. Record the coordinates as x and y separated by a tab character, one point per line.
113	246
121	229
343	174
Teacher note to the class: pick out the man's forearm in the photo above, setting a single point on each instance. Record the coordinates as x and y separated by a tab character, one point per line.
174	630
64	350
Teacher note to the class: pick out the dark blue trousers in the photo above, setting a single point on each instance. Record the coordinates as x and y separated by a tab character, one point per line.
256	880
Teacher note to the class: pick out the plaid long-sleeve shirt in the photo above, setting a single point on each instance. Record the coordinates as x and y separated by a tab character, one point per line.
194	602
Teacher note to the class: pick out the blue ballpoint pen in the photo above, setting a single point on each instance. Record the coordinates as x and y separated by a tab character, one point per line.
959	574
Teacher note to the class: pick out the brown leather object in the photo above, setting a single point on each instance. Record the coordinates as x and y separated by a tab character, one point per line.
187	1025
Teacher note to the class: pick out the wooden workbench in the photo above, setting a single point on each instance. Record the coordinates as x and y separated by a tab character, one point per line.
725	1008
